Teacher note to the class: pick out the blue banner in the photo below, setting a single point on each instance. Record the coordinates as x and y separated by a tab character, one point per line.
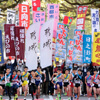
87	39
61	41
1	49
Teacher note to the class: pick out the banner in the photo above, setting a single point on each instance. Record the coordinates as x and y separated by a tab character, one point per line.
35	5
53	12
46	43
32	35
78	46
24	15
67	20
87	40
81	15
20	42
70	49
94	21
1	49
61	41
9	39
39	17
96	49
11	16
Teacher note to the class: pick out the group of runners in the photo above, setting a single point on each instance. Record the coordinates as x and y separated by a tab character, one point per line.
70	81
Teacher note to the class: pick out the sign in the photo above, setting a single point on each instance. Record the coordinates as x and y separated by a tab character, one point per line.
1	49
46	43
87	40
20	42
35	5
32	35
96	49
78	46
94	21
81	15
67	20
10	16
9	39
53	12
70	49
24	15
39	17
61	41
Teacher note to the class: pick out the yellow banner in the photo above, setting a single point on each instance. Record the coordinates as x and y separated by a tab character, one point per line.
96	49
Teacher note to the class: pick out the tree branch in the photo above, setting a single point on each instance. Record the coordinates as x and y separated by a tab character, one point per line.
76	3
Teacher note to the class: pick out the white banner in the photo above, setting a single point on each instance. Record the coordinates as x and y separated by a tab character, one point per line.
11	16
46	43
95	21
32	35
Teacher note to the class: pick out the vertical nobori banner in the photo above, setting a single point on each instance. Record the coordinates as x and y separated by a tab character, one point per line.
24	15
9	39
61	41
39	17
87	40
46	43
78	46
20	42
32	35
36	5
94	21
81	15
1	49
70	49
53	12
96	49
11	16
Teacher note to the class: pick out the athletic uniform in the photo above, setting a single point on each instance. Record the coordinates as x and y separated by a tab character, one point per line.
58	81
32	86
19	79
96	80
2	82
15	82
71	82
66	80
25	79
8	84
77	80
38	81
88	80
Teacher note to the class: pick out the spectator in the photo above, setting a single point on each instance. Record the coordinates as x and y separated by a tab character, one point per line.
20	66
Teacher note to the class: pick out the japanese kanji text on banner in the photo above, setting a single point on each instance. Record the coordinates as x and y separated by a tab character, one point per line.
81	14
32	46
96	49
24	15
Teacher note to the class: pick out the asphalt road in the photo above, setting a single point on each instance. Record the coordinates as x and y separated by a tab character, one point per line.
46	98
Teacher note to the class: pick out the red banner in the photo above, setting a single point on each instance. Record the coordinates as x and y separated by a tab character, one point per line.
24	15
9	39
35	5
20	42
81	15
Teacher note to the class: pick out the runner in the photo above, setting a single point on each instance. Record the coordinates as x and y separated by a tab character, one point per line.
88	82
38	75
25	76
77	84
8	82
14	80
2	84
66	83
59	80
96	81
71	81
20	82
32	86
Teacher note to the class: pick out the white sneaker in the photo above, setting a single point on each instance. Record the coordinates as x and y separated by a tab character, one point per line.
88	98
